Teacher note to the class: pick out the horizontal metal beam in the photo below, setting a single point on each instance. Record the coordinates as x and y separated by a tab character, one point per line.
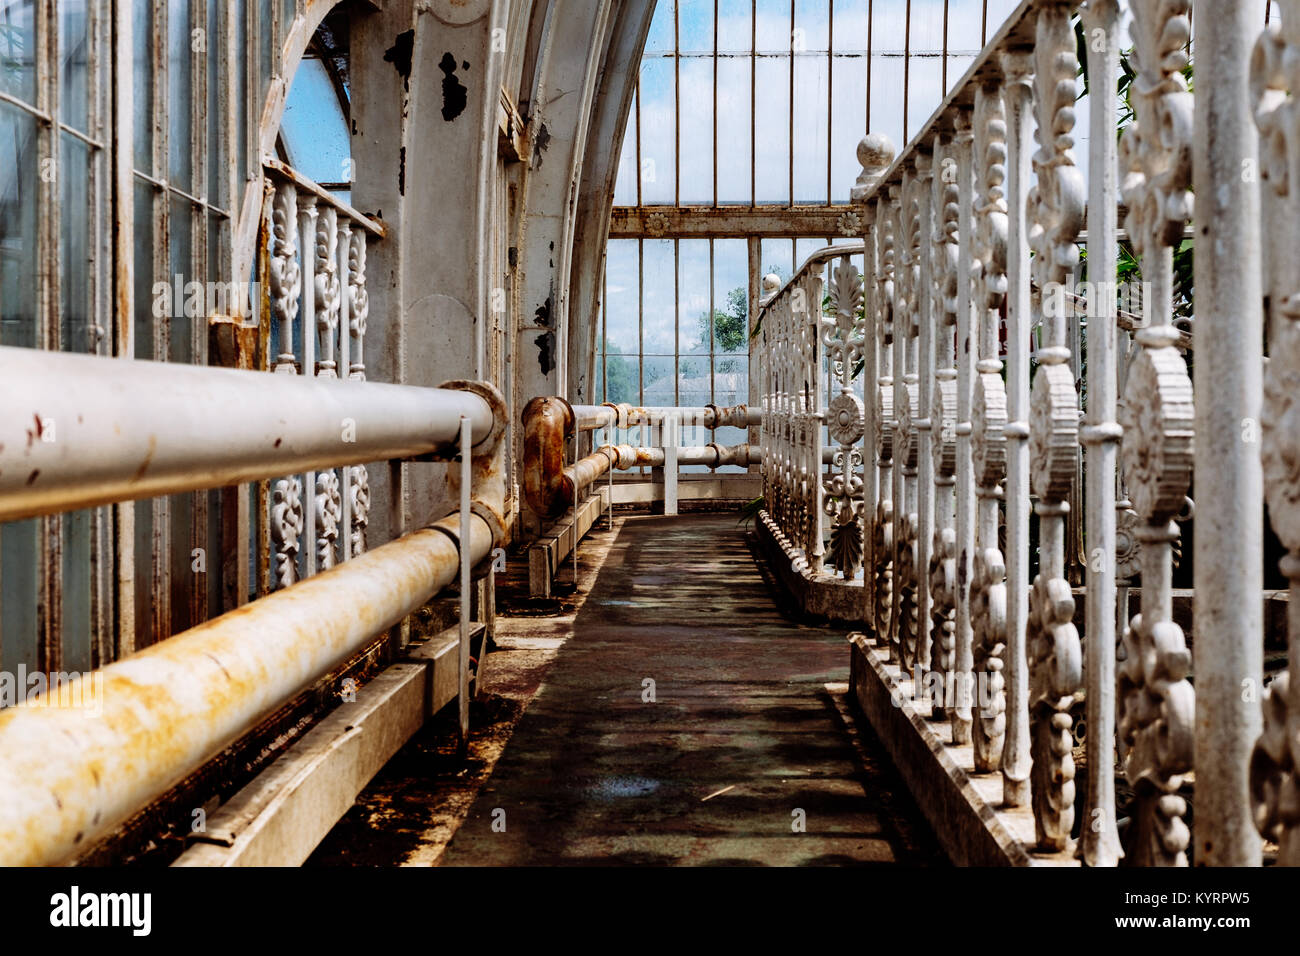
123	735
728	222
82	430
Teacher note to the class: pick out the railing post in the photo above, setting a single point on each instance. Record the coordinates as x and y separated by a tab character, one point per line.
1017	67
1099	844
1228	559
941	568
358	311
923	299
883	428
814	412
1052	645
967	353
307	226
988	589
901	330
1156	723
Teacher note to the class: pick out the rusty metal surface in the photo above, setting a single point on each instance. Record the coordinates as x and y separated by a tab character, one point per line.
741	732
547	422
73	773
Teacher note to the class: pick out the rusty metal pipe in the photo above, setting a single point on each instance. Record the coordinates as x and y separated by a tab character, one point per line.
706	416
591	417
582	473
71	775
547	423
85	430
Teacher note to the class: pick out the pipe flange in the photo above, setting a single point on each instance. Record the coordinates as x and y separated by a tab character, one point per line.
496	402
450	526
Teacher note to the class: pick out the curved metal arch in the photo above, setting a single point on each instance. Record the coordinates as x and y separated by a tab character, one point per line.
303	28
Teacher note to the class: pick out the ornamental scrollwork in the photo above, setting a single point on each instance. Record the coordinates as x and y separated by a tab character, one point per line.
988	599
286	529
359	489
328	511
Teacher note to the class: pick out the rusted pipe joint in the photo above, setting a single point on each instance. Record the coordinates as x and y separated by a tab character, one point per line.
547	422
487	463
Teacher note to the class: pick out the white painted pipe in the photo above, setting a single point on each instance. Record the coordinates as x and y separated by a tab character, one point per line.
84	430
72	774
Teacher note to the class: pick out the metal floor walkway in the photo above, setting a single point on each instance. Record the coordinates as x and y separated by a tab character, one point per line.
742	743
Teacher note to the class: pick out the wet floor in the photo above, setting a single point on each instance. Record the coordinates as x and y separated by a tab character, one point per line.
683	721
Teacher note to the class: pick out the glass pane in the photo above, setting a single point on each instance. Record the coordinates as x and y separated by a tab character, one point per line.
19	597
265	10
777	255
850	27
693	298
660	37
772	106
74	60
695	26
18	49
181	579
243	95
773	29
219	62
659	386
735	182
142	81
730	297
658	131
180	95
888	35
181	242
75	637
999	10
696	78
144	549
926	81
659	307
621	298
811	28
74	246
314	128
150	299
18	184
849	81
811	105
735	26
622	379
625	184
693	388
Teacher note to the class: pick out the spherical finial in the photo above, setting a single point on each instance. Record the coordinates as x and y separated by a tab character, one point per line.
875	153
771	282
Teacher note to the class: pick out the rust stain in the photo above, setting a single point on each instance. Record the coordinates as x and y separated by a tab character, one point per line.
148	459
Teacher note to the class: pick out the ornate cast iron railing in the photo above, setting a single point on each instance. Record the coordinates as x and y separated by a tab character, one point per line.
811	345
977	417
316	264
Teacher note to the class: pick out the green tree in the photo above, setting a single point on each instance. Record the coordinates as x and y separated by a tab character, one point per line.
620	377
